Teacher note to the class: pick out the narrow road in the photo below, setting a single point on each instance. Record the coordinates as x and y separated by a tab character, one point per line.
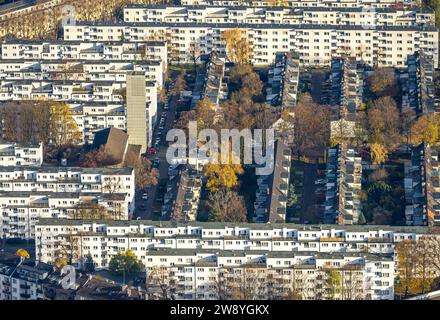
146	213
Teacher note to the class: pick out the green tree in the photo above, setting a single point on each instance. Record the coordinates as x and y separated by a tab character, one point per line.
292	198
125	262
435	5
89	265
333	283
361	219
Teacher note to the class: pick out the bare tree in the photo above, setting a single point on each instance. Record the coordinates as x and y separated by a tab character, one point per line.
113	186
227	206
68	249
248	282
352	287
312	125
161	283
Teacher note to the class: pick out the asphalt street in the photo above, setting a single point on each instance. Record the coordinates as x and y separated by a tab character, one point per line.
145	209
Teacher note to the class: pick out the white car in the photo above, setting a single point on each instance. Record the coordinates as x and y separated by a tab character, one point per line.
145	196
320	181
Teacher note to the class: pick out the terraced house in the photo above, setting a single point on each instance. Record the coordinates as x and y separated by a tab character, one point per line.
422	187
344	184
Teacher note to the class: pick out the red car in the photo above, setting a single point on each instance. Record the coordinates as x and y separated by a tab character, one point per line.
152	151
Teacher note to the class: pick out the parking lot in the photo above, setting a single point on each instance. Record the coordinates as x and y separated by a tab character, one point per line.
310	187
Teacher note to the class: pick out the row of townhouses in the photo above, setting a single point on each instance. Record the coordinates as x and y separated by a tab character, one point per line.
316	44
214	86
347	83
418	84
422	187
279	15
283	80
304	3
90	77
273	189
29	193
20	155
196	255
344	184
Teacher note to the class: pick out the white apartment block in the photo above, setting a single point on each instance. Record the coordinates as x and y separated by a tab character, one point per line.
20	155
316	44
198	273
79	70
83	74
20	210
22	284
81	50
279	15
81	94
97	81
300	3
27	194
14	11
82	85
279	245
94	116
103	239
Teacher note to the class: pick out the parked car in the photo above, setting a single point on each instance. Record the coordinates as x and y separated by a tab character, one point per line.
320	181
145	196
152	151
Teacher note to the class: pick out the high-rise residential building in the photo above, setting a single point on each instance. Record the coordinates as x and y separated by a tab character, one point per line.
137	121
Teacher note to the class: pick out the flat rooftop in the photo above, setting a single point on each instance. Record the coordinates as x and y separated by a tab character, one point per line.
256	226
